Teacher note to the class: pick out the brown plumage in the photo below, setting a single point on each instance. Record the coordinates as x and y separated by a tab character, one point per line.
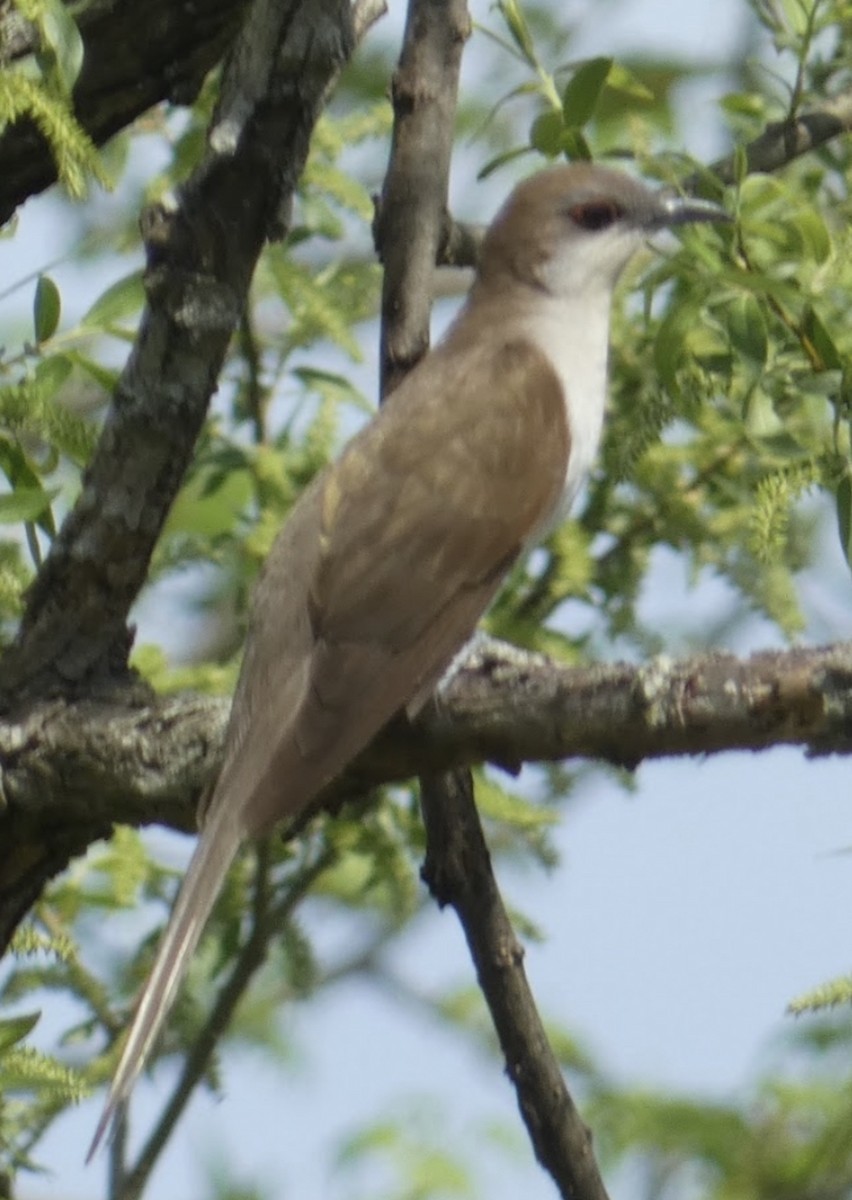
392	554
359	607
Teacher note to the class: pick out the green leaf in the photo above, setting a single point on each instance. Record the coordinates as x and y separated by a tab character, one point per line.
500	804
575	146
813	231
47	306
670	343
105	377
210	513
16	466
24	504
740	164
747	330
51	373
620	79
760	416
797	16
122	300
550	137
62	38
759	192
516	23
583	90
746	104
843	502
821	341
15	1029
546	133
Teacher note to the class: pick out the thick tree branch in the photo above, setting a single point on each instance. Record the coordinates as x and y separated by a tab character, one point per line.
133	60
143	764
73	640
68	772
201	255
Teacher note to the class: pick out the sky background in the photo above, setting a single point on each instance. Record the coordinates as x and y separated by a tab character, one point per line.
681	921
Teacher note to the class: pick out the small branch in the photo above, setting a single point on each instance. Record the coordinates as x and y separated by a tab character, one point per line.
782	142
411	230
365	14
411	216
458	872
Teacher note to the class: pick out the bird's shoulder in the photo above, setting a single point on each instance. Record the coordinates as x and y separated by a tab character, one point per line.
475	419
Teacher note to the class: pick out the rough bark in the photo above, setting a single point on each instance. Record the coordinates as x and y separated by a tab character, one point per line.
73	640
201	254
68	771
134	58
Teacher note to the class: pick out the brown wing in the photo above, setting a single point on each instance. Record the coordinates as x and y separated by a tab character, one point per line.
387	563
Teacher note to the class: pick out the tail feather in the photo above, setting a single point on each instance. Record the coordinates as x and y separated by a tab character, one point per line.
213	855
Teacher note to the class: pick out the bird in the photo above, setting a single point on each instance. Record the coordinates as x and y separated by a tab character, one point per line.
391	555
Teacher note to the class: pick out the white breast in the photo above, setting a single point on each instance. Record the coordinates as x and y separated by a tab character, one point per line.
575	340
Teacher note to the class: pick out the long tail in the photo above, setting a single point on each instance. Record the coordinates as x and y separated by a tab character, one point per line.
219	842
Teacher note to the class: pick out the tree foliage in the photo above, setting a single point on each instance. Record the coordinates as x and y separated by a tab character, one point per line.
731	402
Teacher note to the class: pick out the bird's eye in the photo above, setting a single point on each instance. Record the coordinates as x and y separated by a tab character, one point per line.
595	214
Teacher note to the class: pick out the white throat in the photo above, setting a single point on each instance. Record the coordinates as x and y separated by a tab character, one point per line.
573	334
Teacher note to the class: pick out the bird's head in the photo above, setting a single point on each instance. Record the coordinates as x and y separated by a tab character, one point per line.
570	230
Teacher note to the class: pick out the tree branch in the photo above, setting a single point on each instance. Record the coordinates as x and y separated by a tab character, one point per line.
411	226
69	771
142	764
411	215
780	144
131	62
458	872
73	640
783	141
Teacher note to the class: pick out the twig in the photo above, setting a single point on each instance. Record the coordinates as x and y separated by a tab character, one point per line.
780	144
783	141
458	872
412	229
411	216
365	14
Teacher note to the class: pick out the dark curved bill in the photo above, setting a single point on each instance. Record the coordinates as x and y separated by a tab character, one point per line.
682	210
